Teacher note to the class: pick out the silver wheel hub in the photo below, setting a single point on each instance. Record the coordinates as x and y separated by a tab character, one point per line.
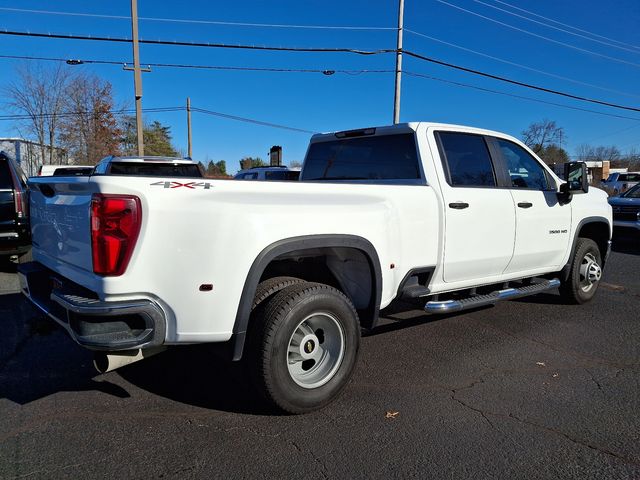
315	350
590	272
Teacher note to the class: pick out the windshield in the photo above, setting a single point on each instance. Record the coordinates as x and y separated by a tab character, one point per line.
633	192
385	157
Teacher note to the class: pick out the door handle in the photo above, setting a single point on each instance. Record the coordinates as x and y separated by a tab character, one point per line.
458	205
525	204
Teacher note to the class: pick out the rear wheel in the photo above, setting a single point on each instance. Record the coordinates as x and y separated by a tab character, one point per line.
270	287
585	273
304	347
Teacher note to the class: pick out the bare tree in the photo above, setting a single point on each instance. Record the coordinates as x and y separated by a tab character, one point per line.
588	153
39	94
540	135
585	153
89	130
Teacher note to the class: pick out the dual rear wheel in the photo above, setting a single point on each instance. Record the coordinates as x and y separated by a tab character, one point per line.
304	342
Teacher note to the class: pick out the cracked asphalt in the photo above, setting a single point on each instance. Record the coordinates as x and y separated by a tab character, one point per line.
526	389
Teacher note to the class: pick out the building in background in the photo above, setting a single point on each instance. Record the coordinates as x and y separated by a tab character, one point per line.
598	170
31	155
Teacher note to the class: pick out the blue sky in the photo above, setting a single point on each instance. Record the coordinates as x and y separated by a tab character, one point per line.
316	102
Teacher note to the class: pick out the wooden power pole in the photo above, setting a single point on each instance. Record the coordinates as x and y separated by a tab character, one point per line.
137	76
189	149
396	102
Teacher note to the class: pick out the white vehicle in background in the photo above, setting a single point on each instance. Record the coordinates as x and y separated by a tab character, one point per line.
285	275
620	182
273	173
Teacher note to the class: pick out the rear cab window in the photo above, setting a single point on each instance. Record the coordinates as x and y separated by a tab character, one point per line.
281	175
466	160
383	158
629	177
157	169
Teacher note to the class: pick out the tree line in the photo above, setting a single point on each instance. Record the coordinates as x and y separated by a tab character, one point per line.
545	138
70	115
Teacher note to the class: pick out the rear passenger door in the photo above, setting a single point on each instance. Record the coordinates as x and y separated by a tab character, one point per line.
542	223
479	216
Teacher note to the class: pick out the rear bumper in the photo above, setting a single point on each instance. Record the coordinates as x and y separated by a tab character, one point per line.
93	323
15	241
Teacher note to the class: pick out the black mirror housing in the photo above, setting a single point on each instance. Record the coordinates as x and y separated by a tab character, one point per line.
575	173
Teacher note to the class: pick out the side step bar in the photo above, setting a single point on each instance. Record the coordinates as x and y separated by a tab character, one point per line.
475	301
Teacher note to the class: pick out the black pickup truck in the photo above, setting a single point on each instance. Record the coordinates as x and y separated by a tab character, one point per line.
15	235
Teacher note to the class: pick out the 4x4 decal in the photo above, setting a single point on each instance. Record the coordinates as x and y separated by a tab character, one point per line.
174	184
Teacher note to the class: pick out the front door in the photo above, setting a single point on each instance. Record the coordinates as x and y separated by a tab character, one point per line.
543	225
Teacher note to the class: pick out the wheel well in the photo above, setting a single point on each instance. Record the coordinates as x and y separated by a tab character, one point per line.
599	233
348	269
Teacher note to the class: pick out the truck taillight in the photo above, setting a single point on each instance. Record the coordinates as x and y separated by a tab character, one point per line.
19	195
115	225
20	200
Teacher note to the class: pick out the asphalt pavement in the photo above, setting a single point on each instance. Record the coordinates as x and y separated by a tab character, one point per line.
527	389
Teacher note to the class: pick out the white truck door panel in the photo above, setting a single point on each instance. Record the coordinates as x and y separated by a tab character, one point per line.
479	238
479	217
543	225
542	230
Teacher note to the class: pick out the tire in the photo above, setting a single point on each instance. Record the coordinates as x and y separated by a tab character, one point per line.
304	347
270	287
585	273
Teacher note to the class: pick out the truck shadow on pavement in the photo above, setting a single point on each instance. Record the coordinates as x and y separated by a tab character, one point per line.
626	243
38	359
7	266
195	376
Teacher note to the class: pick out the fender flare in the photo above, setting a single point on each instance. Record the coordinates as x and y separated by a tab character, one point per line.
564	273
281	247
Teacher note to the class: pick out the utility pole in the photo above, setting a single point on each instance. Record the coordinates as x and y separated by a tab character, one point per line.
189	150
137	76
396	102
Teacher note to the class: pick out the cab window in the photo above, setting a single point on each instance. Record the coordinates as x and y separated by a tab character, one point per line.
467	160
524	170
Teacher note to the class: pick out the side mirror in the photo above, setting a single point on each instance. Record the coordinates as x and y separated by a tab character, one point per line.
575	173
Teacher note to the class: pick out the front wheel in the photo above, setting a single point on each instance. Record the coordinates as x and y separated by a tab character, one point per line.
585	273
304	347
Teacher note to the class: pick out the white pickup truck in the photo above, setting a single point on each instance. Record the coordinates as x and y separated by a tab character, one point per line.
287	274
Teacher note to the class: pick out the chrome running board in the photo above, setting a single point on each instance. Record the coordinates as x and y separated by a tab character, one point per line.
475	301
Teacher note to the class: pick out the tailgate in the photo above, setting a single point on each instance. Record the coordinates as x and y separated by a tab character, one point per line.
60	211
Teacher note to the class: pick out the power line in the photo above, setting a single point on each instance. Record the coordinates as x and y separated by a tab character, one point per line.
249	120
80	61
626	129
519	65
345	50
25	116
513	95
557	28
160	110
203	22
584	50
198	44
565	24
521	84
